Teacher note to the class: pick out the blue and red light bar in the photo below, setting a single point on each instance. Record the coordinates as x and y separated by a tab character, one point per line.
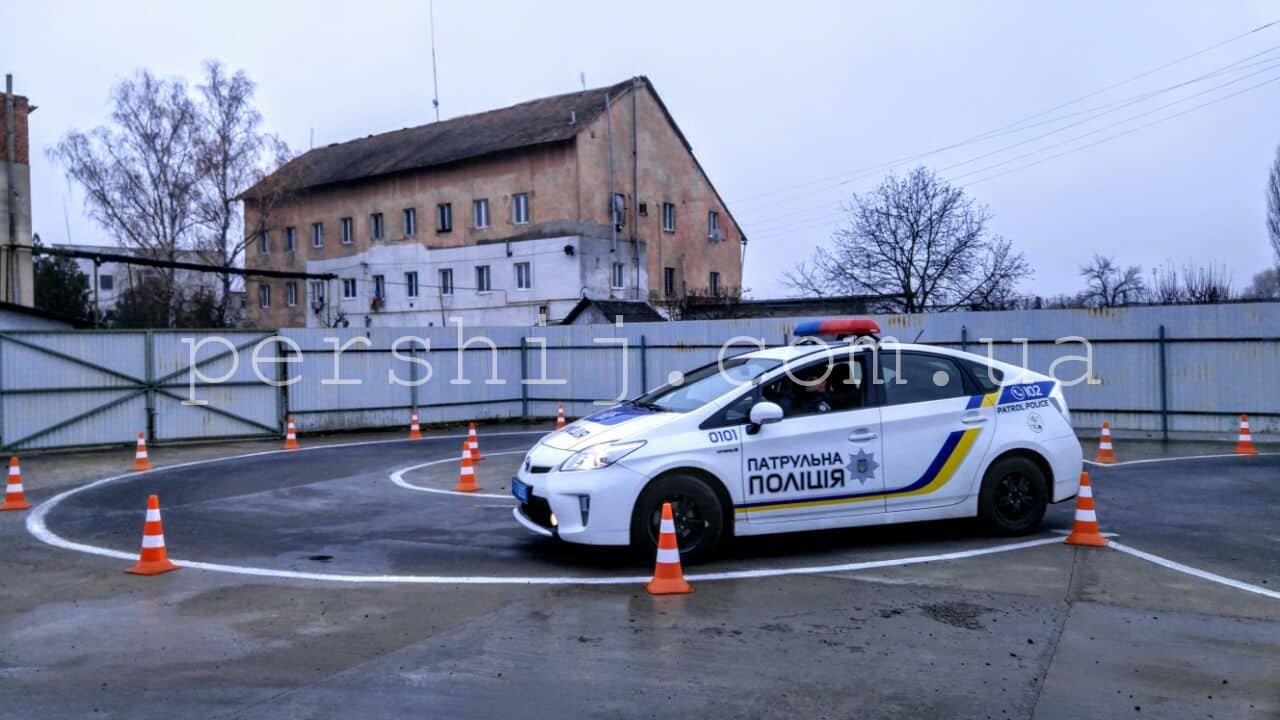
838	328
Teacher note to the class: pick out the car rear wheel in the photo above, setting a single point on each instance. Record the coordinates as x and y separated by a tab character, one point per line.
696	509
1015	493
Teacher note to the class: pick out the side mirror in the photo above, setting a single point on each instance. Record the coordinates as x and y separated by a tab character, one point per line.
763	413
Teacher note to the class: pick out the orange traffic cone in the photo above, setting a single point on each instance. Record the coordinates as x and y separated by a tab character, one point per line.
668	578
140	459
154	559
415	432
467	475
1085	530
474	442
1104	446
1244	446
291	436
560	416
13	497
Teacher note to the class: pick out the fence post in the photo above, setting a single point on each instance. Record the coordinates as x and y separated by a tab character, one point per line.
644	365
524	375
413	377
282	391
964	338
1164	389
149	346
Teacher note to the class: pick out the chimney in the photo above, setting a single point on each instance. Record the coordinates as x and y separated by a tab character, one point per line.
15	198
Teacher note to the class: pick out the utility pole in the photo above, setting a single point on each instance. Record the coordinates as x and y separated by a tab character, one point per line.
435	80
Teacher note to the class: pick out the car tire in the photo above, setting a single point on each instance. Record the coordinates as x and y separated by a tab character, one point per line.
698	514
1014	496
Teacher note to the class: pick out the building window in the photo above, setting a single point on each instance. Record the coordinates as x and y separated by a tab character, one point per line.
317	291
619	275
480	214
291	293
264	295
713	283
410	222
520	208
713	226
618	209
411	284
446	281
375	226
347	230
643	210
524	276
669	281
348	288
264	245
482	279
669	217
106	282
290	239
444	217
317	234
380	286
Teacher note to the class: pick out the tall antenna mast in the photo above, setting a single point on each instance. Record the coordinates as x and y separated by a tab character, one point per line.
435	80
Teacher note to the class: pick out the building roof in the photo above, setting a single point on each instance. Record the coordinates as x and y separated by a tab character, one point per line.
535	122
38	313
631	311
720	308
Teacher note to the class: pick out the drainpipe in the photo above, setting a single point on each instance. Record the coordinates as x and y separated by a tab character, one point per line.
613	224
635	190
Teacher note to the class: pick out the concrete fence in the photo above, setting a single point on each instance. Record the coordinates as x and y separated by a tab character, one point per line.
1184	371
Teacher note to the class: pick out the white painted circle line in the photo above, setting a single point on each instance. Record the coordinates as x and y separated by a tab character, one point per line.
1172	459
1202	574
397	477
39	529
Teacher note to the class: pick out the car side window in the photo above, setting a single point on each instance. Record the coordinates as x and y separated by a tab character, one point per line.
912	378
987	377
737	412
819	388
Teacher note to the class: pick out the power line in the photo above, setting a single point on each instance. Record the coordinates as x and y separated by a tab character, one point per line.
834	217
1014	126
1099	111
1138	116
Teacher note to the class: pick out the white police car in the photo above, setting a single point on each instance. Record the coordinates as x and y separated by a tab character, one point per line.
808	436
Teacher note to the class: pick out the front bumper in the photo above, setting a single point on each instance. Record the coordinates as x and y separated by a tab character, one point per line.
610	496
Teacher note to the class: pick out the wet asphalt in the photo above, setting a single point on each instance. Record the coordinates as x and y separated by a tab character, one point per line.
1045	632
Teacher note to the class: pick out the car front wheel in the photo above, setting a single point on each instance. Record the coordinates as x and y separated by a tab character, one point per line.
1015	493
696	509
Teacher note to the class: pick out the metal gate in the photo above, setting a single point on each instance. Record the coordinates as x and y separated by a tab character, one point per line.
85	388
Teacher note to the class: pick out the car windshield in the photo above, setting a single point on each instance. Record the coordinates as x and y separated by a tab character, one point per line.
705	384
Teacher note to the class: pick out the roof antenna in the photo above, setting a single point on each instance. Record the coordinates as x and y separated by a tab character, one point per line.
582	78
435	80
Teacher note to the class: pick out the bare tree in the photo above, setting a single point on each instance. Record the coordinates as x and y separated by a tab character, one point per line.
1273	205
1203	285
1165	286
234	154
1110	285
139	173
920	243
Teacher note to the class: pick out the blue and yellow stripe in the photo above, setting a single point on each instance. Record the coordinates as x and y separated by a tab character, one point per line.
948	459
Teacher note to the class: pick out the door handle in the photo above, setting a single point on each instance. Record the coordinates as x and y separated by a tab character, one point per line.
862	435
973	418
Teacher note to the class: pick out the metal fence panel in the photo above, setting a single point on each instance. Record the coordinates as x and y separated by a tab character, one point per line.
63	389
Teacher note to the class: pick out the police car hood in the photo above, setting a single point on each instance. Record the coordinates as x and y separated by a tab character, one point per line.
620	422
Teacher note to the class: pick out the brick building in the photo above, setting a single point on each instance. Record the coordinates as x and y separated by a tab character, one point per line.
497	218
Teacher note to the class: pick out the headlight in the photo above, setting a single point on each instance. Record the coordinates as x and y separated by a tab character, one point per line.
600	456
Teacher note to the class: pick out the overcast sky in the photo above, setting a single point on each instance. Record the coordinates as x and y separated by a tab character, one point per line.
785	103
